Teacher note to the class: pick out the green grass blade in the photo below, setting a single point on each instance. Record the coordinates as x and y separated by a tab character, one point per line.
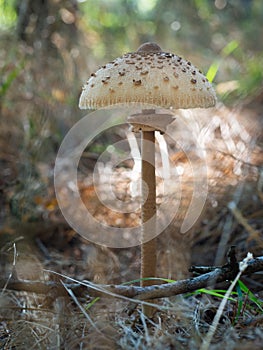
166	280
229	48
251	296
90	304
226	51
218	293
9	79
212	71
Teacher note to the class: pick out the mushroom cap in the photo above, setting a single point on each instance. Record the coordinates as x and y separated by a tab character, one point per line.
148	76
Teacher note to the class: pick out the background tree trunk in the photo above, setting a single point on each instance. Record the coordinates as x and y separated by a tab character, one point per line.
42	23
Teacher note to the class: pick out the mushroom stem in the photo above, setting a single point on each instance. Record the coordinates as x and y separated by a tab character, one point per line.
147	122
148	248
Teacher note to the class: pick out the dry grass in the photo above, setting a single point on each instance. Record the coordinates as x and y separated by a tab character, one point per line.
32	127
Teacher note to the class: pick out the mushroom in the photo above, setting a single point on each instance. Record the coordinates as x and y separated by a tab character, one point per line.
152	77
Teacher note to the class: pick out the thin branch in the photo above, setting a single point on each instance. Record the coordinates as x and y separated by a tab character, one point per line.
55	289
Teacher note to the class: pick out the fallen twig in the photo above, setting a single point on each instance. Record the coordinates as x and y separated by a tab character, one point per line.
84	288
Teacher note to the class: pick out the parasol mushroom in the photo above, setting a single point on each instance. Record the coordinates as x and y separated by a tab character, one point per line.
149	77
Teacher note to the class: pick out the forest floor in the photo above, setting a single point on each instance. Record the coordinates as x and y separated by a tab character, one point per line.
37	244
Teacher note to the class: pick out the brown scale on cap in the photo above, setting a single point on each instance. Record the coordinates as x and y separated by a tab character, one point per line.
148	76
137	82
144	72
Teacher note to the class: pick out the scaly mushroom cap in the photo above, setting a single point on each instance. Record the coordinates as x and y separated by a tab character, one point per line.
148	76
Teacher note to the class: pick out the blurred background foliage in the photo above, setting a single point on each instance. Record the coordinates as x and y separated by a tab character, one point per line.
48	49
221	34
